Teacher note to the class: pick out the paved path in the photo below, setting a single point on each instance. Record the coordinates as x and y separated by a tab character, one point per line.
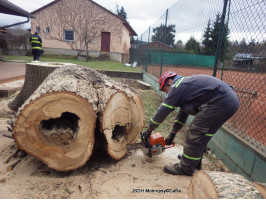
11	71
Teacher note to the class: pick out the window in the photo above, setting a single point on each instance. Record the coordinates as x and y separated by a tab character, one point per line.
47	30
68	35
38	29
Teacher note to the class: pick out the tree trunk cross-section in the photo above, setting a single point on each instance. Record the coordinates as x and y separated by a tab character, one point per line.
221	185
34	76
58	123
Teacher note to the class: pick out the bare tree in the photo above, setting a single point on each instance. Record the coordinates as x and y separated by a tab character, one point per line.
79	16
15	39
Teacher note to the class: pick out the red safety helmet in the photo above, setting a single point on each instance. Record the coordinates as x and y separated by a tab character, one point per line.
164	76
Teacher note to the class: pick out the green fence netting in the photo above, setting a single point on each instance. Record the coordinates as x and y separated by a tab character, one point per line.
222	38
180	59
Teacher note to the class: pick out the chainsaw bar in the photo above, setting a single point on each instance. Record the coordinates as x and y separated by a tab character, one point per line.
134	146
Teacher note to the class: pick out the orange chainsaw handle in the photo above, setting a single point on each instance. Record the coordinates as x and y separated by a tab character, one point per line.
169	146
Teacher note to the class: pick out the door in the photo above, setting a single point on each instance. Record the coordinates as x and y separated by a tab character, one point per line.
105	47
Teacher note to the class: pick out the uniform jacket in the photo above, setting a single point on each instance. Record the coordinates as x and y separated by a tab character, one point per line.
188	93
36	42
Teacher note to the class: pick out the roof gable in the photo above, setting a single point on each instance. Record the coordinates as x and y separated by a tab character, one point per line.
125	23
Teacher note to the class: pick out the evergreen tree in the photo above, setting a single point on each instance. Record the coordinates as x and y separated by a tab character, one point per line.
159	34
215	34
192	46
207	41
211	35
121	12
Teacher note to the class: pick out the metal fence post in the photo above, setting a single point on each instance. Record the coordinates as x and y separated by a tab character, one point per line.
220	38
139	50
164	35
147	51
224	52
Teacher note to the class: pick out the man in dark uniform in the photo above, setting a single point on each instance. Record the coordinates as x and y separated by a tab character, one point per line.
36	44
209	99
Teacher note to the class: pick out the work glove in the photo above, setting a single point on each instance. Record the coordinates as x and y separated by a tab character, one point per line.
146	134
169	139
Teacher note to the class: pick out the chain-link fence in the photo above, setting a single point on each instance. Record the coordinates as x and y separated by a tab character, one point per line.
223	38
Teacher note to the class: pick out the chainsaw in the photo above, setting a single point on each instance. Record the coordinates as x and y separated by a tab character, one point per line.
151	146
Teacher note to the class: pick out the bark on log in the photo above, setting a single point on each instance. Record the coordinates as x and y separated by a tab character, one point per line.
221	185
34	76
58	122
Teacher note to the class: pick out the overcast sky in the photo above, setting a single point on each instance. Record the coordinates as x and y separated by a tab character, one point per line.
141	13
190	17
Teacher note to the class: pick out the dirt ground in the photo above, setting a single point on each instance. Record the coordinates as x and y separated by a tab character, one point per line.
133	177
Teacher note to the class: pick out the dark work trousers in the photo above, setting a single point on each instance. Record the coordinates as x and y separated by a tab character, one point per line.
36	54
211	116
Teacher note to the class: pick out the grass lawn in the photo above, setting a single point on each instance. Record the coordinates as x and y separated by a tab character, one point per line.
93	63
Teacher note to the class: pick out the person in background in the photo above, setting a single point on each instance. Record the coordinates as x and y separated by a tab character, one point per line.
209	99
36	44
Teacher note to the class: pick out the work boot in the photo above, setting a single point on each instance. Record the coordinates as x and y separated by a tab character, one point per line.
177	170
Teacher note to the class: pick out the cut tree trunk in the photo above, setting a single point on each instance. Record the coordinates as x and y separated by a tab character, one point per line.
34	76
57	123
121	122
221	185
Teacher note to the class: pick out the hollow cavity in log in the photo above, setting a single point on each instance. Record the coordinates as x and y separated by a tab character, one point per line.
59	109
119	132
62	130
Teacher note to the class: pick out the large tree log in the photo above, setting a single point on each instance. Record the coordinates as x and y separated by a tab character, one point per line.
121	122
221	185
57	123
34	76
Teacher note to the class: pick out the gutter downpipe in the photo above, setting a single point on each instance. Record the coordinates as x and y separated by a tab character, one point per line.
19	22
